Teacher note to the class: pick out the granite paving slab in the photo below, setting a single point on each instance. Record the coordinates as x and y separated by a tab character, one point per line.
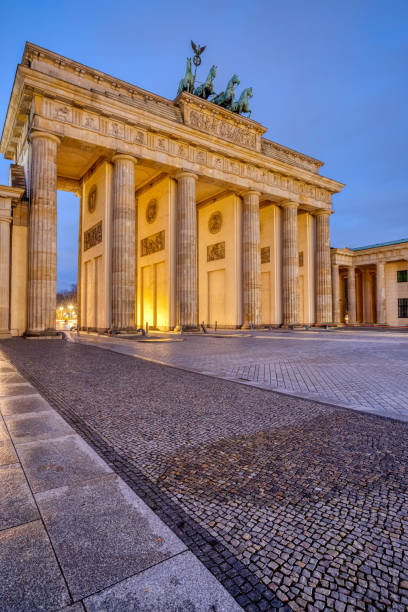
102	533
10	377
51	464
166	588
40	426
21	405
17	505
7	452
30	578
12	389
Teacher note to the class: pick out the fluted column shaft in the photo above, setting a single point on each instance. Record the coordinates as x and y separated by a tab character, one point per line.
42	234
381	318
187	282
336	293
323	271
5	221
290	264
251	259
123	243
351	287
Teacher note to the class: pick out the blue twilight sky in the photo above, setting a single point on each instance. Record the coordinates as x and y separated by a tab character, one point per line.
329	79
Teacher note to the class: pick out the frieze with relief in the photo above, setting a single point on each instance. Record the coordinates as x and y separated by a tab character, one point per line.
216	251
93	236
196	118
152	244
223	129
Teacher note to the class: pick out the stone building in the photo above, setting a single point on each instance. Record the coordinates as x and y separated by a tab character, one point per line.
187	213
370	284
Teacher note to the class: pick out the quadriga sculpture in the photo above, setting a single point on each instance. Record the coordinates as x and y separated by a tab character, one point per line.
226	98
187	84
207	89
242	105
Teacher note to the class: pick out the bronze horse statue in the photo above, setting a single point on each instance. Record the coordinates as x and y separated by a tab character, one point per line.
226	98
242	105
207	88
187	84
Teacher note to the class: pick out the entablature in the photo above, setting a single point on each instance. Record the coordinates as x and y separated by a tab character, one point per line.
385	254
221	148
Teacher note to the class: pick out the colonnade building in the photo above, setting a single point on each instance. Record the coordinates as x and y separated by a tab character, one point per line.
370	284
187	213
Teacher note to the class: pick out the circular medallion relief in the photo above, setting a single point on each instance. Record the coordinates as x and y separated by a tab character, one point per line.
151	211
92	199
215	222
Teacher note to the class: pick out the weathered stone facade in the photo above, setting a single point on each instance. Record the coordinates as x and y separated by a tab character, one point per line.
120	148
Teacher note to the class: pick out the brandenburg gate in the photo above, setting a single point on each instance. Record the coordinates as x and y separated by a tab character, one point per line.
187	213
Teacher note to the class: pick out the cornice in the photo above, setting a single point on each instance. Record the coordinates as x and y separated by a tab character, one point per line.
118	110
386	253
118	87
11	193
163	132
32	51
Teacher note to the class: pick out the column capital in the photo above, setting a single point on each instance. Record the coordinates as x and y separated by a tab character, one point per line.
288	204
319	213
46	135
124	156
248	192
185	173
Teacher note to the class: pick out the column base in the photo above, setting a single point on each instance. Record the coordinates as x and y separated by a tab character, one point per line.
189	328
252	326
5	334
43	333
123	330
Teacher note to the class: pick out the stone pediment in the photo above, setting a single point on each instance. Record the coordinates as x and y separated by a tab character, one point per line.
216	121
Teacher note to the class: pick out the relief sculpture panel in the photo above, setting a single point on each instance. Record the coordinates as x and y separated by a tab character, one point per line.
216	251
93	236
152	244
222	129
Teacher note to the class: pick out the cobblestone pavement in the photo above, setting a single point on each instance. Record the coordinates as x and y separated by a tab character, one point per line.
290	503
364	370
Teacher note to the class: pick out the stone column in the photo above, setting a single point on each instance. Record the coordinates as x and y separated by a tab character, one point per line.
336	293
351	288
123	243
290	264
186	259
381	316
42	235
251	259
5	221
323	271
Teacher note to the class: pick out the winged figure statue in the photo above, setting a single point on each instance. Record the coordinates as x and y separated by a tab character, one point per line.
197	49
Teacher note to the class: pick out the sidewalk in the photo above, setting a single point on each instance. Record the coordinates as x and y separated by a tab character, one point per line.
73	535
